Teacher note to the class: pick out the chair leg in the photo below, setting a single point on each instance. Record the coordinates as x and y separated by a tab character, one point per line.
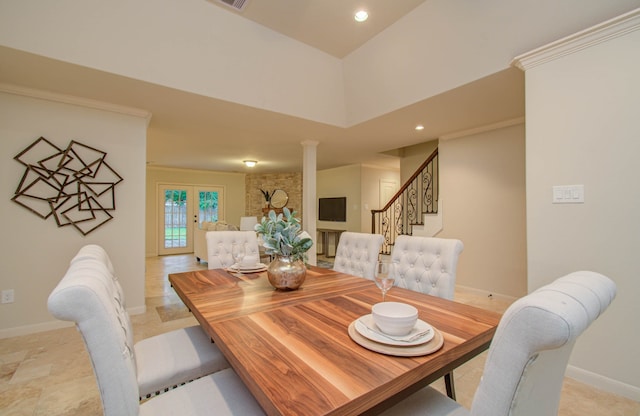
448	382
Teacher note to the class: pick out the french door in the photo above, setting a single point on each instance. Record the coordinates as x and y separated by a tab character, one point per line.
181	208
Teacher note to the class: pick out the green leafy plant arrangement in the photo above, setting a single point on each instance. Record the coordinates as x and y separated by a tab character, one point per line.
281	235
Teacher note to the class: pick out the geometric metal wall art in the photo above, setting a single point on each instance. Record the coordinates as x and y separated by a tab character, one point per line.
74	185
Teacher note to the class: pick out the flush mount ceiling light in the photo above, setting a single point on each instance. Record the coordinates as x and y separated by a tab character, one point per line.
361	16
250	163
419	127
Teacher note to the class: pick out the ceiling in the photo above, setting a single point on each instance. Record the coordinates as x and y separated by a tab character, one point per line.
327	25
196	132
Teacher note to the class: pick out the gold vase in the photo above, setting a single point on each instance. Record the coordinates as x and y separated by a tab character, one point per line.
286	274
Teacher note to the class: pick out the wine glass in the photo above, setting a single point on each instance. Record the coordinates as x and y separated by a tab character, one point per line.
238	252
384	276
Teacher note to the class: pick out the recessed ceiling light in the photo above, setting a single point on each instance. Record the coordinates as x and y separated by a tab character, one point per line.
250	163
419	127
361	16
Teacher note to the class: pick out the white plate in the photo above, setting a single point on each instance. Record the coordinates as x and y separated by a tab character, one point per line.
260	267
374	333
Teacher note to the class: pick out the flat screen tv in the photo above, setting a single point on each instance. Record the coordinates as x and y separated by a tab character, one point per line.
332	209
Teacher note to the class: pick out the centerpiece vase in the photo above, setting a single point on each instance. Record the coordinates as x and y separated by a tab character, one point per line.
285	273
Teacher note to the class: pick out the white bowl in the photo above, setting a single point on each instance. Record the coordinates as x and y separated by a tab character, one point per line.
394	318
249	262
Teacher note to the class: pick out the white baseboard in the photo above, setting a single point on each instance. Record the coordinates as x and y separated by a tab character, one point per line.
33	329
486	293
603	383
137	310
51	325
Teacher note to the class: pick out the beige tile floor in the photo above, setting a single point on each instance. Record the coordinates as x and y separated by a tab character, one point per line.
49	373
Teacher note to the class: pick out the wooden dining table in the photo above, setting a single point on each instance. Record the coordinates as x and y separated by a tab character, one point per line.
293	349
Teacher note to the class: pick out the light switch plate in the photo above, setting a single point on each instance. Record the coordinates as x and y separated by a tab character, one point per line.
568	194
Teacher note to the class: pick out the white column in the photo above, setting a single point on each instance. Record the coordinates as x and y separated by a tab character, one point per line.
309	195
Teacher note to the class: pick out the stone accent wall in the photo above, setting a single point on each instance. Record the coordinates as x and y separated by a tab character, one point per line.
290	182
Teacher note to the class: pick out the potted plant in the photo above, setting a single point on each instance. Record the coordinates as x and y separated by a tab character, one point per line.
281	236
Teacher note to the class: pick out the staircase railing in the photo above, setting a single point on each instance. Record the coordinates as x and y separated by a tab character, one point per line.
417	197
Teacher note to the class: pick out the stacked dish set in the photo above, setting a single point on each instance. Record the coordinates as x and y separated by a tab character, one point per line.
393	328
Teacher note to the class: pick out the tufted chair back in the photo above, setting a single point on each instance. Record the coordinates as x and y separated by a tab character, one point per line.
97	253
164	360
529	353
426	264
220	244
85	297
357	254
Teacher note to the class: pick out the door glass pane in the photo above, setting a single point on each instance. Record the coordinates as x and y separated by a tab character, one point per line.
208	205
175	218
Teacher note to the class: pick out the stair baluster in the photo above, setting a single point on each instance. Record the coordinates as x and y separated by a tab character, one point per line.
417	197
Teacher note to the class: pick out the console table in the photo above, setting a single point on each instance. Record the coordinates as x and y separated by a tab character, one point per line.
265	211
325	233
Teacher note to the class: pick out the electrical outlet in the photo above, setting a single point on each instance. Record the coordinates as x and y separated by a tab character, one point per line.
7	296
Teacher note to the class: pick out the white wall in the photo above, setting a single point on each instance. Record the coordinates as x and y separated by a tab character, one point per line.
443	44
482	189
583	128
413	157
338	182
194	46
190	45
36	252
361	185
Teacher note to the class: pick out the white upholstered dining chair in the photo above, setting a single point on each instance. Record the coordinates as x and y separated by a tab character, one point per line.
357	254
248	223
220	247
84	297
428	265
162	361
529	353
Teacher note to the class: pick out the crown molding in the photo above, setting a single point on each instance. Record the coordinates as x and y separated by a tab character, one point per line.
73	100
377	167
603	32
151	166
482	129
